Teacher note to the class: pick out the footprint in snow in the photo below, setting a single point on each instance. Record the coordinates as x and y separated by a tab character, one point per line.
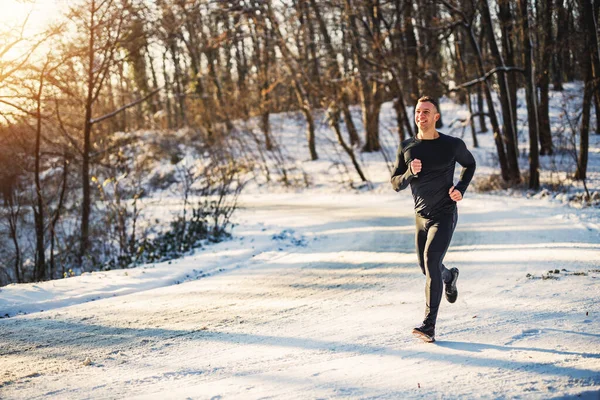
527	333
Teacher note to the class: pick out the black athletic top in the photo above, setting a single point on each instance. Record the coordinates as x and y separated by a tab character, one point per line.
431	185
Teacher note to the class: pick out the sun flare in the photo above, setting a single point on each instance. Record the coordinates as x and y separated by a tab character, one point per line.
34	15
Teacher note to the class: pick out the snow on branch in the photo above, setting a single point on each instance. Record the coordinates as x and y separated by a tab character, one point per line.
485	77
125	107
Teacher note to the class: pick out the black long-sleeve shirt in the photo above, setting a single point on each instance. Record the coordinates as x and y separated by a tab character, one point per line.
431	185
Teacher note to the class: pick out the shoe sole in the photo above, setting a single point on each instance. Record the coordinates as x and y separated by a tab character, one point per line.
424	337
453	286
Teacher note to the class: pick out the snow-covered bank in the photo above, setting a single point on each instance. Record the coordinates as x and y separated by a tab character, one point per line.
319	302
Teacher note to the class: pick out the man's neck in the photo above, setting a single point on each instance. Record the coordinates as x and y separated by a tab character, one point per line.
428	135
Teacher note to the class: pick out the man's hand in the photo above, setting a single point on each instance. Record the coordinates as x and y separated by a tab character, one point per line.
415	166
455	194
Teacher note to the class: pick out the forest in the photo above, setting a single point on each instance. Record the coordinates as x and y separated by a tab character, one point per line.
90	103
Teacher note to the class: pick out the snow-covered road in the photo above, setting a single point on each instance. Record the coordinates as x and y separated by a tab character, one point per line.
317	299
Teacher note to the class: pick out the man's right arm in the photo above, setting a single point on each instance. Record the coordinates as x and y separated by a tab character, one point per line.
402	174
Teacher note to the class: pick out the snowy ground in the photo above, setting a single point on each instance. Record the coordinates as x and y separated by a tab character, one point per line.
319	302
315	297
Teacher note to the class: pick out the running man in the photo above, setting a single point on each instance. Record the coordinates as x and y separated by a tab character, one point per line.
427	163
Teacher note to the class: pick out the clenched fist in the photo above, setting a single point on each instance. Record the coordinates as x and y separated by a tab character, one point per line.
455	194
415	166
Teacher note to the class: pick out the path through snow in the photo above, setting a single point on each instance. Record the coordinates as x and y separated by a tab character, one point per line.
319	302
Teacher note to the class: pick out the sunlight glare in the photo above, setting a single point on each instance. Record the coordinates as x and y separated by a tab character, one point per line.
41	14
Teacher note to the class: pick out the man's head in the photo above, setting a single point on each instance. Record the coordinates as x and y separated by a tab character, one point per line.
426	113
429	99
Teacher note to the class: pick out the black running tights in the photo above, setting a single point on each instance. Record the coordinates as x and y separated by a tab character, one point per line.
432	240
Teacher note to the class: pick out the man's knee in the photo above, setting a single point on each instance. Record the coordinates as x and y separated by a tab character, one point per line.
433	263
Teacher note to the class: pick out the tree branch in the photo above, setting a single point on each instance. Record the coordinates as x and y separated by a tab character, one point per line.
485	77
125	107
8	103
64	131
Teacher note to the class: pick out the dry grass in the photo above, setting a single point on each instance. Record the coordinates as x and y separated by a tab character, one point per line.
494	182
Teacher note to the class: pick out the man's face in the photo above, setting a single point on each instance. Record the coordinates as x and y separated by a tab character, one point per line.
426	115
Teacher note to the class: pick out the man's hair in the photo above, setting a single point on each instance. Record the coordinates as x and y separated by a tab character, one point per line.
429	99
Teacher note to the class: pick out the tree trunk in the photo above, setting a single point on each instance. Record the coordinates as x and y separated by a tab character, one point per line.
463	75
597	107
242	69
334	70
231	111
596	66
532	114
507	28
584	132
400	117
412	59
348	121
482	125
169	90
457	59
102	43
264	93
310	126
38	210
508	118
315	73
87	131
13	222
472	120
431	55
570	56
134	44
213	59
179	86
544	76
371	110
559	43
590	61
297	74
262	59
157	103
57	214
370	89
504	170
480	88
334	121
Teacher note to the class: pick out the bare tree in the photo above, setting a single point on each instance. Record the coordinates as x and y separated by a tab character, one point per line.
101	26
412	54
38	209
430	56
363	46
334	72
590	63
462	70
299	80
528	61
558	58
467	23
545	12
510	136
507	22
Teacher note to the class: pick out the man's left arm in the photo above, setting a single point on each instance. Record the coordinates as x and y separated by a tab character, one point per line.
464	157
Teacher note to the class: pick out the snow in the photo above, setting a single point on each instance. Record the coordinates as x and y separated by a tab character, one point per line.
316	294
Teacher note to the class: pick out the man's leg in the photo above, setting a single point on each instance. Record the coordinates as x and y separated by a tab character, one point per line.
446	274
421	240
439	235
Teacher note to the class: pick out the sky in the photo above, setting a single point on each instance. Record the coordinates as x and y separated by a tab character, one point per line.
42	12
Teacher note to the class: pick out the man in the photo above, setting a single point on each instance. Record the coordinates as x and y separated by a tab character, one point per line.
427	163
